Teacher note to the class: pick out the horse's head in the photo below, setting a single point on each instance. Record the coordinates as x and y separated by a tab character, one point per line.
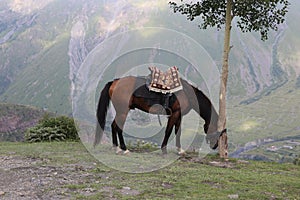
206	110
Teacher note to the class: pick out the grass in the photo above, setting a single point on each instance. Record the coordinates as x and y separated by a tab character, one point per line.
186	178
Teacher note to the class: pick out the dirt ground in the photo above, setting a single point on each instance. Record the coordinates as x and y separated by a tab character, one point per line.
35	178
25	178
30	178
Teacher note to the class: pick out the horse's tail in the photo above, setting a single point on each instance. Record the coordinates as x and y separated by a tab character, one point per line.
101	112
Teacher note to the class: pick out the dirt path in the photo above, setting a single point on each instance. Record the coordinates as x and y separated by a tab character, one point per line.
29	178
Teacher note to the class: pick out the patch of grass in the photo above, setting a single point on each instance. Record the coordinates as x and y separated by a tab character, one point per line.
57	152
183	179
142	146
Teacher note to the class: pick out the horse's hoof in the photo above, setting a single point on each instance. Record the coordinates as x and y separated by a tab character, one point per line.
119	150
127	152
181	152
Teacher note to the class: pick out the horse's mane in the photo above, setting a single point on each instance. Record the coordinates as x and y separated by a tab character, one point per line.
206	108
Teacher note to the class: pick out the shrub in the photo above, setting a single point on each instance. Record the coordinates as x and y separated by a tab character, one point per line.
60	128
297	161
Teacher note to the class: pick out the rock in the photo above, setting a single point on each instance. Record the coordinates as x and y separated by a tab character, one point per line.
243	162
2	193
221	164
167	185
233	196
21	194
89	190
126	188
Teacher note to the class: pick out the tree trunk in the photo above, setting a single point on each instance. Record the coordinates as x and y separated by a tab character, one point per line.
223	145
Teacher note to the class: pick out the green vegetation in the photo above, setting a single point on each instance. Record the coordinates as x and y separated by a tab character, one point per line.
187	178
53	129
142	146
297	161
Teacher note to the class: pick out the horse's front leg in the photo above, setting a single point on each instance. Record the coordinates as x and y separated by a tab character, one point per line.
178	134
171	122
166	138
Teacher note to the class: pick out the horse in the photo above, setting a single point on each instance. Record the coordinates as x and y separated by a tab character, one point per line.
131	92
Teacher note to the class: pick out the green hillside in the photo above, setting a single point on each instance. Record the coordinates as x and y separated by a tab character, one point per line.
41	60
45	82
271	121
37	59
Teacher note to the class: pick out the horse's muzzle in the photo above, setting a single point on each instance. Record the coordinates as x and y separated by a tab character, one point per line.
213	139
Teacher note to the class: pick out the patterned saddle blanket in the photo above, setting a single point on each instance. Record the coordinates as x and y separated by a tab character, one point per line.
165	82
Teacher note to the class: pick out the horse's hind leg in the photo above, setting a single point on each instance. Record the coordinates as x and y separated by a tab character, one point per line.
117	128
114	130
121	139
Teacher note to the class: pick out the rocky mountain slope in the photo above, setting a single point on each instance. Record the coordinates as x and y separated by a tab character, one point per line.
43	46
15	119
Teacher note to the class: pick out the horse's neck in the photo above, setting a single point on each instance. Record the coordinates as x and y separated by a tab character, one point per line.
204	107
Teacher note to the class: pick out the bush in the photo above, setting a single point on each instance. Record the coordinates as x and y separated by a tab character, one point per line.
297	161
60	128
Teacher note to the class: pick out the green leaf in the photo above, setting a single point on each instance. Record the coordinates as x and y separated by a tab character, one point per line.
251	15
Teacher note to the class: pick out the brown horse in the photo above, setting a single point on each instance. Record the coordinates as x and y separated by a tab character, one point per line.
132	92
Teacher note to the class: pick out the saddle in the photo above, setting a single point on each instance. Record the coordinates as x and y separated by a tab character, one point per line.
165	82
159	87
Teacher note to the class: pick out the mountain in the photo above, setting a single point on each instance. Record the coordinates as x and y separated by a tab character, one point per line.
46	46
43	44
15	119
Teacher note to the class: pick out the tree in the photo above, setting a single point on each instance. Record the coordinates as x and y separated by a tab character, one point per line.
250	15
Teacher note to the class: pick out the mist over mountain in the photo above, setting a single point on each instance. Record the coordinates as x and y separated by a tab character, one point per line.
43	43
